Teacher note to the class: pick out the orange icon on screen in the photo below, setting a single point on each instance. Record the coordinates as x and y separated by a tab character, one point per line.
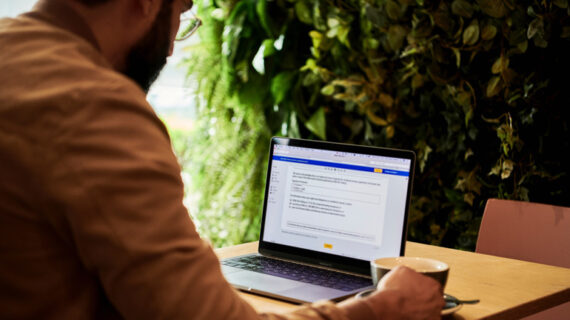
328	246
378	170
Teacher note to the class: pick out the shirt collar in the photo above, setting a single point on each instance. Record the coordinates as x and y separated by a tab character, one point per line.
61	15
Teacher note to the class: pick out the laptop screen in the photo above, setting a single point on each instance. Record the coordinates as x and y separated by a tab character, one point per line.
334	200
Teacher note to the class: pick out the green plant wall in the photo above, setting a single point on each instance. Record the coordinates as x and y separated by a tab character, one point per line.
478	89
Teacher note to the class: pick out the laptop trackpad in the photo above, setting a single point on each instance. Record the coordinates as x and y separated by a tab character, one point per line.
247	280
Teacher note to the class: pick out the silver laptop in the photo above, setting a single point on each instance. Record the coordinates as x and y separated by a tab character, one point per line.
329	209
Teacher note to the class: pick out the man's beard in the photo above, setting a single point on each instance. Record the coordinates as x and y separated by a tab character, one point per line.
147	58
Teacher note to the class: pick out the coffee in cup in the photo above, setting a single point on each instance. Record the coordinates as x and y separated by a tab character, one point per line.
430	267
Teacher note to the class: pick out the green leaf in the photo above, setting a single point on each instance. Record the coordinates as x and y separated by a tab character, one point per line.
238	11
319	43
464	99
393	10
386	100
462	8
530	11
318	19
469	197
379	121
471	33
268	48
489	32
496	68
261	9
390	131
396	36
328	90
513	99
317	124
500	65
310	79
523	46
457	56
311	64
535	27
507	169
494	8
493	87
218	14
342	35
424	151
368	131
316	38
332	33
333	22
496	170
417	81
280	85
371	43
303	12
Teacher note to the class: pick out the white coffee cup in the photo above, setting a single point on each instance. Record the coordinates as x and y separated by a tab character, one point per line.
430	267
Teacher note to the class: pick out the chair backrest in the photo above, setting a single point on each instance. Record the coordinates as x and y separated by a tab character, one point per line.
526	231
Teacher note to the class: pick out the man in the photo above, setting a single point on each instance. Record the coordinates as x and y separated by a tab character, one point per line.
92	224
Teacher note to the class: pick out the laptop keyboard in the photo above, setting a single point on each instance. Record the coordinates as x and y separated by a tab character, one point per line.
299	272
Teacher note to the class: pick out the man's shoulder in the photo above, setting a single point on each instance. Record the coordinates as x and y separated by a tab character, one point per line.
35	49
44	62
54	82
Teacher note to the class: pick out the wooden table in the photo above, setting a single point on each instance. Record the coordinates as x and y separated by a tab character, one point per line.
507	288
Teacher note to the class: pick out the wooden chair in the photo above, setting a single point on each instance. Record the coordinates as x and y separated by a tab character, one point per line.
531	232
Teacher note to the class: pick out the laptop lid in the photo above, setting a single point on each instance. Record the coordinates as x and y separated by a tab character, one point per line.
335	205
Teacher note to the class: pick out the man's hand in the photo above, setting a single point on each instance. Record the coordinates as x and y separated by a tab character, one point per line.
418	296
402	294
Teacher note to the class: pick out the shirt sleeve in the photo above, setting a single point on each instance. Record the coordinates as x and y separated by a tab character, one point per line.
119	193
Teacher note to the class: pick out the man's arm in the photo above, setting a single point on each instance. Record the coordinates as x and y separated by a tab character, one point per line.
119	188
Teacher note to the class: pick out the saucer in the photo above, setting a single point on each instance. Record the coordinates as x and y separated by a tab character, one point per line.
365	293
451	306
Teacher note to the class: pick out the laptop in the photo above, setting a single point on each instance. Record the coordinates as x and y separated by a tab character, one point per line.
328	210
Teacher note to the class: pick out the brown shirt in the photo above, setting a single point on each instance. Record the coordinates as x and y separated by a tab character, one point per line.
92	224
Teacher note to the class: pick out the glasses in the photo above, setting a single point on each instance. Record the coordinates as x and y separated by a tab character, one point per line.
189	23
